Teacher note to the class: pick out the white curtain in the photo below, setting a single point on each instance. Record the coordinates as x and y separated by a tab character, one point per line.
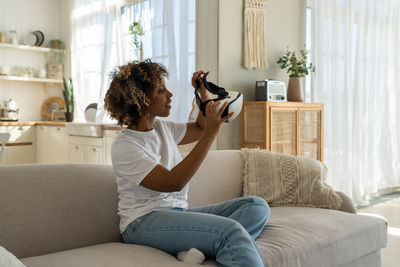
169	38
355	46
93	51
100	41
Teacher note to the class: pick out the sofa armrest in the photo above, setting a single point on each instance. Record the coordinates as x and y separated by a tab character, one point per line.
347	204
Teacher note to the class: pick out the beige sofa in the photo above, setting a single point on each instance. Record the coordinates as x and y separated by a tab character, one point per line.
66	215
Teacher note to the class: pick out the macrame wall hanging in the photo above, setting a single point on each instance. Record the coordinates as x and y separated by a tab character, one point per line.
254	34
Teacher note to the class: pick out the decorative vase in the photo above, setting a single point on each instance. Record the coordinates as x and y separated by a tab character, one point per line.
69	116
295	90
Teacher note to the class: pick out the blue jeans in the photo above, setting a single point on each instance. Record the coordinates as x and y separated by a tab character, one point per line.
223	231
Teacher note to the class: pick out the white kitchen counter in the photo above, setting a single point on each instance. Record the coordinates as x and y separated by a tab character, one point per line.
32	123
51	123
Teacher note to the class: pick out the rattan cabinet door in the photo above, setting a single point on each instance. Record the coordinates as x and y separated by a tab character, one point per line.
283	130
310	133
254	119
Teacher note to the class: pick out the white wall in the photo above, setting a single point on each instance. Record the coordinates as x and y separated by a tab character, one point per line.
285	26
25	16
65	33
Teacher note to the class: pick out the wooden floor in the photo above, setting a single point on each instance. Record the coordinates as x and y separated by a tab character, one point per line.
391	211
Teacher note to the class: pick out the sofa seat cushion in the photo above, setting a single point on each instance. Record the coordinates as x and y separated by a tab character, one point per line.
301	236
106	255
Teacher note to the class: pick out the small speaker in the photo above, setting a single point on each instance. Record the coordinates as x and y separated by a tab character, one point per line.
270	90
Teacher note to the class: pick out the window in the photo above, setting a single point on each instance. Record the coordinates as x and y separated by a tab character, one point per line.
168	38
101	40
93	52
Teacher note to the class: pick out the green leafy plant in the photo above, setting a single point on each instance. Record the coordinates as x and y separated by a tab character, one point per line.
68	93
296	67
136	30
56	44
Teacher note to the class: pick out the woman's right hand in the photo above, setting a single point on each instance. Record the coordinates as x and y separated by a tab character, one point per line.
214	119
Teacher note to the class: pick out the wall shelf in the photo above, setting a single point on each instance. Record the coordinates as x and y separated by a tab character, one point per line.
26	79
31	48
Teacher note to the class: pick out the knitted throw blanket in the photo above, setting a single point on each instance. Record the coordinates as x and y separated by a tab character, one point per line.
254	34
284	180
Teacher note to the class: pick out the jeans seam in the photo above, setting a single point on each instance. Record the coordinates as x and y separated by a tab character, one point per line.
228	246
180	229
240	201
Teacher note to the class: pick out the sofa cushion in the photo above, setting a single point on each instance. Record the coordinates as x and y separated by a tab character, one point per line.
109	254
47	208
218	179
300	236
285	180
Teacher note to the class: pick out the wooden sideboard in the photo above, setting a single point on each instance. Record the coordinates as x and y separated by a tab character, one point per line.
293	128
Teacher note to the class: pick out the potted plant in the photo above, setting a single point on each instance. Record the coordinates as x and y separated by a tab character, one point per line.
136	30
297	68
56	44
68	93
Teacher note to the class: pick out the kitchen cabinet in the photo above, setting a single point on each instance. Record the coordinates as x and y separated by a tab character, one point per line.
47	142
41	144
51	144
19	154
21	145
108	139
293	128
85	149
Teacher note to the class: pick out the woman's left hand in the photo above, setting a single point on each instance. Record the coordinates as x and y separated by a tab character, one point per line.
204	94
196	76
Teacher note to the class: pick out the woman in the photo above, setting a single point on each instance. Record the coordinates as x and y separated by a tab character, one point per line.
153	179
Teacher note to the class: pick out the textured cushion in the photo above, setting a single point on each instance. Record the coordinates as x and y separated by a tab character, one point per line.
109	254
284	180
8	259
300	236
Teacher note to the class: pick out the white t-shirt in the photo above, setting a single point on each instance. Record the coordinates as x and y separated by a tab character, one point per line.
134	154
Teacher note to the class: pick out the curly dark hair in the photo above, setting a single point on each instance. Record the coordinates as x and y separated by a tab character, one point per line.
131	88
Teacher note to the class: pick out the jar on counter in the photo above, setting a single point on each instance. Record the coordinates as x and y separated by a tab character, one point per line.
2	37
12	37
